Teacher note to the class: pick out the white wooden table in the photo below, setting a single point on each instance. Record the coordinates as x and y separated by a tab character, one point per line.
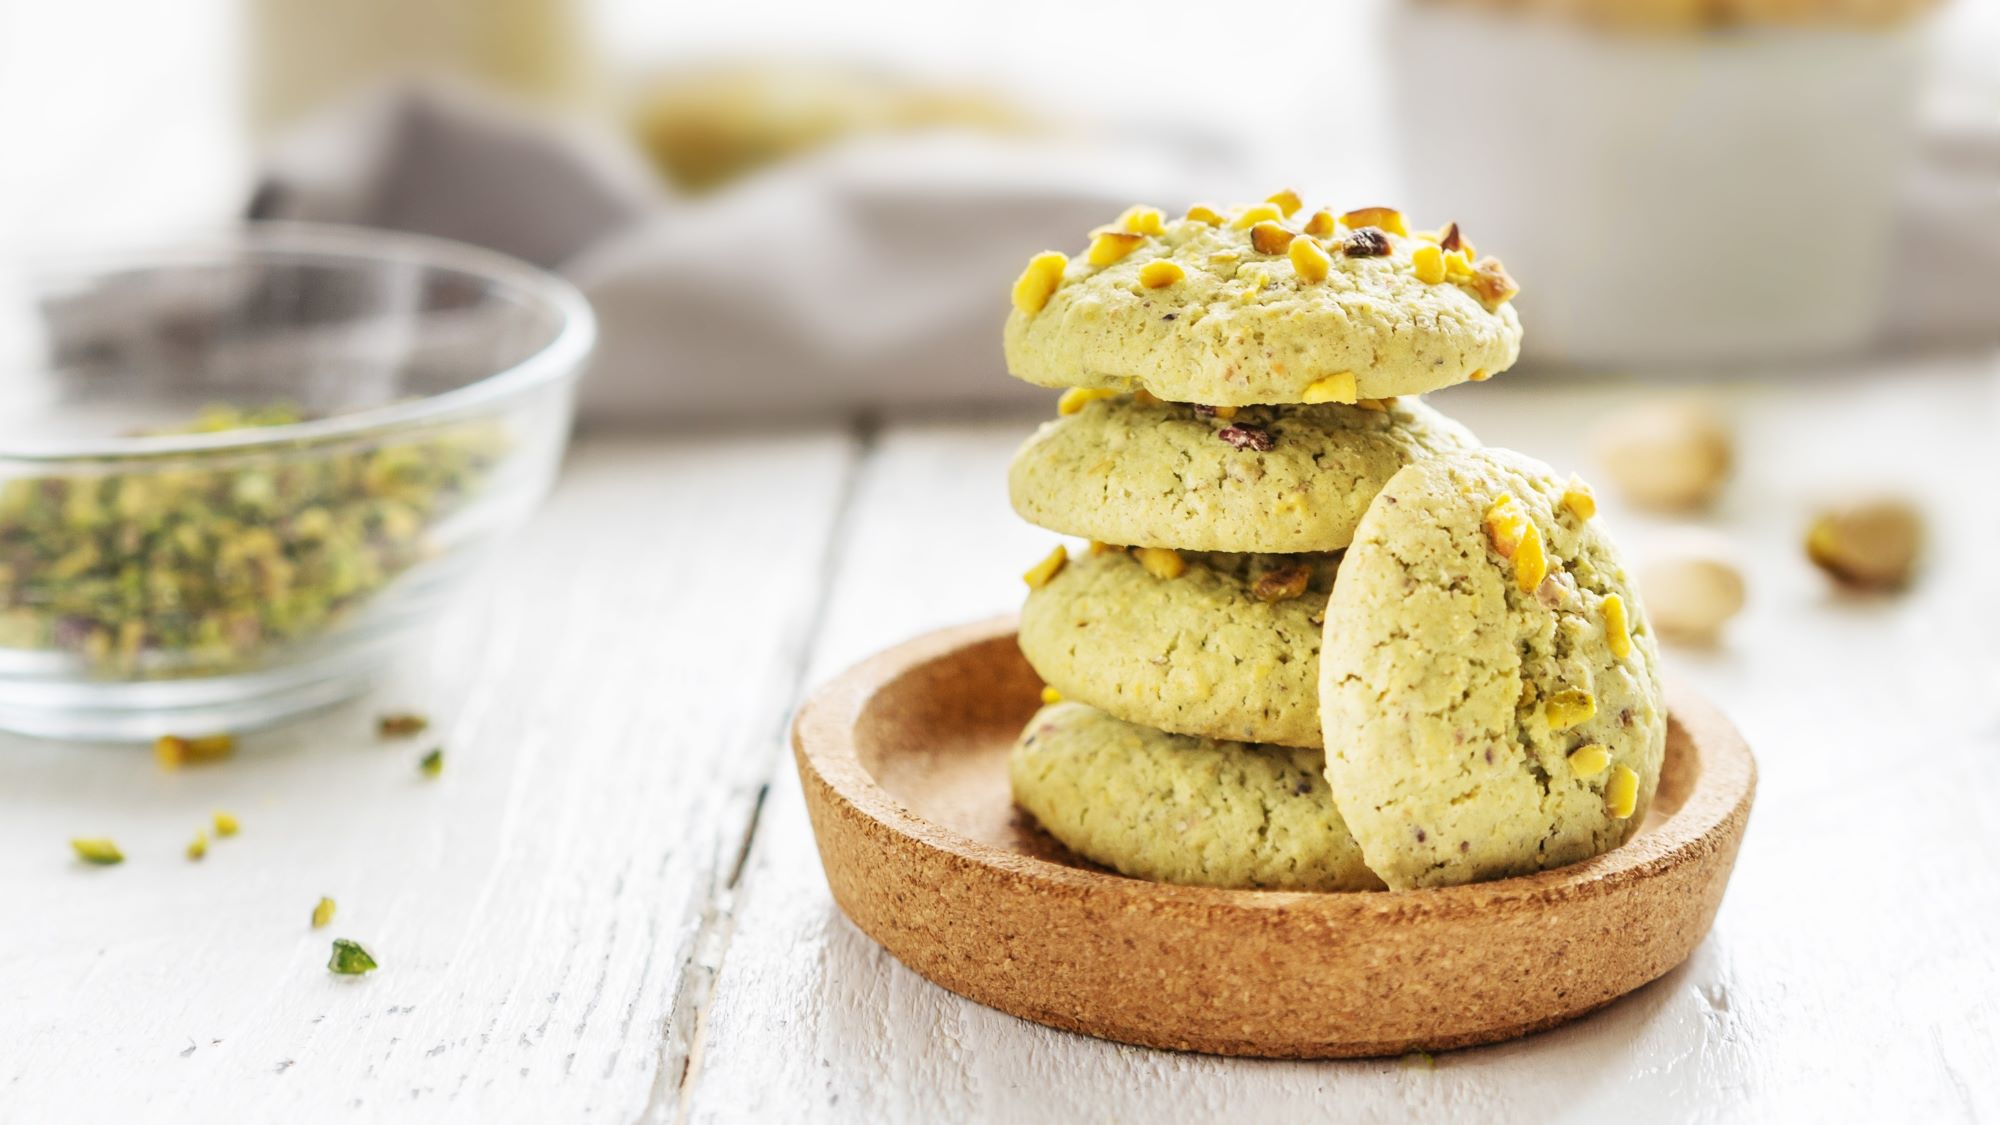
608	908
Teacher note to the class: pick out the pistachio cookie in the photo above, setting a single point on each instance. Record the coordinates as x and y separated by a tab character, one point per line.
1184	810
1219	645
1264	305
1488	682
1134	469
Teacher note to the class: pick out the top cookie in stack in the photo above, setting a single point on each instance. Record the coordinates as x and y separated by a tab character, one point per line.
1264	305
1239	396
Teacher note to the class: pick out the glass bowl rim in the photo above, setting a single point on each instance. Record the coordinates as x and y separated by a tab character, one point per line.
560	359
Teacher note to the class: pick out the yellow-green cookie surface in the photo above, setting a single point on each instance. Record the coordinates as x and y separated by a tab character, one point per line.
1243	327
1457	754
1184	810
1270	479
1197	654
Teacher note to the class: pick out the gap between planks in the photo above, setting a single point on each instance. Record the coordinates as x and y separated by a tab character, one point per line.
681	1046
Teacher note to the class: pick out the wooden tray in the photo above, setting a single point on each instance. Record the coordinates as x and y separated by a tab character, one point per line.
903	759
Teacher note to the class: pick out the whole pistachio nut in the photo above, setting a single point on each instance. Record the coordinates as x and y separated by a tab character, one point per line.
1691	588
1667	454
1868	543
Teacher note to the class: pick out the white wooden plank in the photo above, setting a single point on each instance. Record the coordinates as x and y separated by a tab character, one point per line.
930	541
611	702
1850	976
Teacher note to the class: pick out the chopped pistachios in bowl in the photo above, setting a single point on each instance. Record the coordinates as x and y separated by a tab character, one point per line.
178	568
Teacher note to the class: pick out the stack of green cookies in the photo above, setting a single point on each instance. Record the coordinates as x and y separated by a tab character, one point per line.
1320	639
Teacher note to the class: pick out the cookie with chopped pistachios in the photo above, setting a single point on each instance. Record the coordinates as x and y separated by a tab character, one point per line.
1219	645
1489	685
1186	810
1271	303
1137	470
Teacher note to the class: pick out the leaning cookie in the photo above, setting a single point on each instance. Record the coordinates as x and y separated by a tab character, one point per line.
1489	683
1223	646
1268	304
1257	478
1184	810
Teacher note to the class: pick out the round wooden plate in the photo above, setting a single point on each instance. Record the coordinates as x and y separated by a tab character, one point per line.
903	759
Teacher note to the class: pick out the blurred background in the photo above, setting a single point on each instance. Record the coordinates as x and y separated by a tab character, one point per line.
1759	249
793	208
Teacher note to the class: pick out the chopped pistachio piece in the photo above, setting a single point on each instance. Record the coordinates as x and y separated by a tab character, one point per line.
432	763
1568	708
323	913
198	847
1038	575
97	850
1621	793
226	824
1589	760
1039	281
212	564
349	959
401	724
1161	562
172	751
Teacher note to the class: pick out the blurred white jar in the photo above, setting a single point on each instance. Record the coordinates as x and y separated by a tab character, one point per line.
303	55
1663	197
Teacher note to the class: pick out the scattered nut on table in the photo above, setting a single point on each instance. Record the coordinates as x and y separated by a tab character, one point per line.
1691	590
1667	454
1870	543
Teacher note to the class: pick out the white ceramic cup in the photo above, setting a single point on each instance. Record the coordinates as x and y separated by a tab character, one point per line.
1713	197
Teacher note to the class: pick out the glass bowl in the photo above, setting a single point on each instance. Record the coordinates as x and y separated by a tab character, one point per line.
234	472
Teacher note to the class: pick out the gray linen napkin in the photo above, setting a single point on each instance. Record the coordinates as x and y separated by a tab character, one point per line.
871	274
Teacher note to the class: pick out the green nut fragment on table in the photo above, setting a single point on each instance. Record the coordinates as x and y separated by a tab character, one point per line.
215	561
349	959
98	851
432	763
322	913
